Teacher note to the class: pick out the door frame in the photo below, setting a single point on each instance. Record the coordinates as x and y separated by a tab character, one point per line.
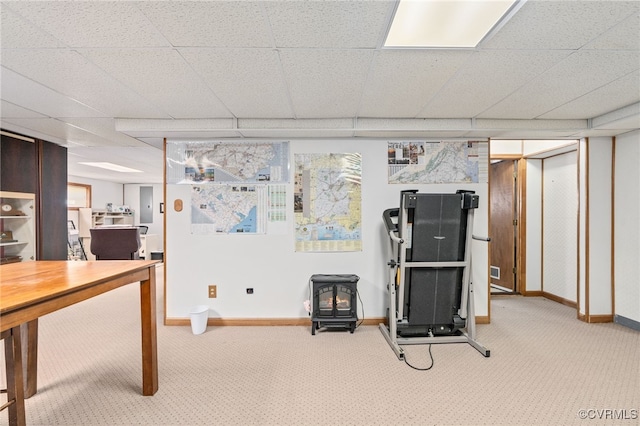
520	283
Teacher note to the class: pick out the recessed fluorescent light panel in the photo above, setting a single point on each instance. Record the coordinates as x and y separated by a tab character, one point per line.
445	23
111	166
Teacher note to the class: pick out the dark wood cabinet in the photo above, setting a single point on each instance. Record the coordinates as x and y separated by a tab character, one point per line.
18	165
39	167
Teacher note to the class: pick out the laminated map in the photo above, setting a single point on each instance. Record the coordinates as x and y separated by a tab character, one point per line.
327	202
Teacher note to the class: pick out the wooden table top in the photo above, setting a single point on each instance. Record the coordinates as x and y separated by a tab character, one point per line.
26	283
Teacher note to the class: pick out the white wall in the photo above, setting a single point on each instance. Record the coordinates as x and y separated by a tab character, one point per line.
505	147
583	262
278	274
132	199
534	147
627	228
598	297
534	225
102	192
560	226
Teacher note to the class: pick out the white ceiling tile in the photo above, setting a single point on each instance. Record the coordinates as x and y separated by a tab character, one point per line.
35	97
620	93
60	130
210	23
402	81
10	110
410	134
17	32
298	124
296	133
325	83
248	81
163	77
559	24
328	24
148	159
486	78
182	134
92	23
580	73
625	35
105	128
502	124
418	124
135	125
154	142
70	74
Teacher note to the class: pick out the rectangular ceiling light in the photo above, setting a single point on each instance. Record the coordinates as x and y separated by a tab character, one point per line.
111	166
445	23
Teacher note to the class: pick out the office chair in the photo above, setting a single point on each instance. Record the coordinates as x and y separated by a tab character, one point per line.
115	243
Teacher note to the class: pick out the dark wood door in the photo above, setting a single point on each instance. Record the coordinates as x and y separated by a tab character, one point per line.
502	248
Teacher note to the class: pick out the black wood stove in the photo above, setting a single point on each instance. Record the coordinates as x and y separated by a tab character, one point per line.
334	301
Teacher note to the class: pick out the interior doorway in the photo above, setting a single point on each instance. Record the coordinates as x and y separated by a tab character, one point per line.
503	225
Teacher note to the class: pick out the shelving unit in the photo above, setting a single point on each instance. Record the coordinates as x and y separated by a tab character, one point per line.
105	218
17	227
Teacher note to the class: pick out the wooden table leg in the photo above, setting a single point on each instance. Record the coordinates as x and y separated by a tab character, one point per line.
29	336
149	334
15	385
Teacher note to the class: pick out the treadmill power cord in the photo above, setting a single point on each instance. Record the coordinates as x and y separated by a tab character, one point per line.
417	368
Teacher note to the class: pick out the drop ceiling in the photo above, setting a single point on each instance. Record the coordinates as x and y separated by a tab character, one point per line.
110	79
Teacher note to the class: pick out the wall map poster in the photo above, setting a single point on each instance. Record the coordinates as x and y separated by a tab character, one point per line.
227	161
227	209
438	162
327	202
236	187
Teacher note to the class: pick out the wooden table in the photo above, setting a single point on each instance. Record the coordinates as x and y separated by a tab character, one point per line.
29	290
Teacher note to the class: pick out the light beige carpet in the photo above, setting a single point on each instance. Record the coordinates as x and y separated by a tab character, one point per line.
545	367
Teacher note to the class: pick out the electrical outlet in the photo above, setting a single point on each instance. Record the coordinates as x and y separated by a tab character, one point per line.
213	291
250	291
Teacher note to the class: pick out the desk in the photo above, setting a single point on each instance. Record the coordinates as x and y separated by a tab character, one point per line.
32	289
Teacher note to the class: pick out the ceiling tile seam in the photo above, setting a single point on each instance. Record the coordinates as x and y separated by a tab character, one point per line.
38	83
265	16
35	26
632	15
122	83
204	82
449	82
109	76
90	132
25	108
154	26
366	81
588	93
530	80
285	84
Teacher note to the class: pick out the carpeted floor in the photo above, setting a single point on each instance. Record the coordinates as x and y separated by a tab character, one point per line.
545	367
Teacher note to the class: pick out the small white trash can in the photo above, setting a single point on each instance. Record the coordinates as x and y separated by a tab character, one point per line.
199	316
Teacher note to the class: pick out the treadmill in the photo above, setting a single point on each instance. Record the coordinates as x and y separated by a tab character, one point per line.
430	297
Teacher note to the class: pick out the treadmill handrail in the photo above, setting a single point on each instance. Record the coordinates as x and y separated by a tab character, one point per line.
394	238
